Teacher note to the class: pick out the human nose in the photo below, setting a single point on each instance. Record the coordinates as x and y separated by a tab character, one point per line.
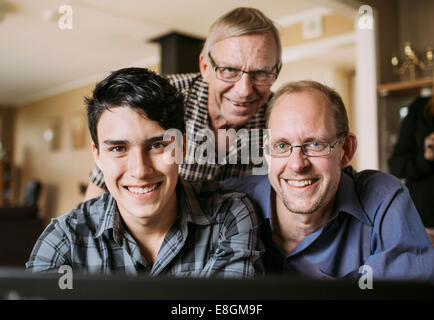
297	161
140	164
244	86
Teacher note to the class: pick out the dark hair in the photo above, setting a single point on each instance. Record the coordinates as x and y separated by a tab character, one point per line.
137	88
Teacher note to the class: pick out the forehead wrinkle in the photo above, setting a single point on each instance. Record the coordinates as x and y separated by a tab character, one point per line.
246	49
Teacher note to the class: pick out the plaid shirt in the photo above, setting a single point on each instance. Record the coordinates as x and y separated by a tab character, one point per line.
195	166
214	235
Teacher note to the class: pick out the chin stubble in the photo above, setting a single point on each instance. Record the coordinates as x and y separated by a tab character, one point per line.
318	203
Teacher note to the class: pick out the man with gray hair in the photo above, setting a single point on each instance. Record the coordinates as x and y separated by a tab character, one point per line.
323	219
239	62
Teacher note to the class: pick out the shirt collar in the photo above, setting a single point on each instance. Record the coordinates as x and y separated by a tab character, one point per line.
189	208
346	199
110	218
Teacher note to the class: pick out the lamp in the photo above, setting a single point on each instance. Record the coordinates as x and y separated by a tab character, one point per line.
411	62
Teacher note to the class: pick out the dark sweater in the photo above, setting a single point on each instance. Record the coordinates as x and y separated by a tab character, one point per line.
408	159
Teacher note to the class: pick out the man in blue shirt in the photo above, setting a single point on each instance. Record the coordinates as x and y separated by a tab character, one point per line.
322	220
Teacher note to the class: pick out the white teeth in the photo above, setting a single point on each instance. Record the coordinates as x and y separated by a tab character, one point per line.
144	190
299	183
241	104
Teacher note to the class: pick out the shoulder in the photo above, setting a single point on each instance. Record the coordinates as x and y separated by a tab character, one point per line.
58	243
374	183
258	189
373	180
419	103
224	198
244	184
223	205
184	81
85	219
417	107
256	186
234	210
376	190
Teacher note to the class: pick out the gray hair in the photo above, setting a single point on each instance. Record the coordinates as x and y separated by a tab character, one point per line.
238	22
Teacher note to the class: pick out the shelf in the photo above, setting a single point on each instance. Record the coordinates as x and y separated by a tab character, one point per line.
385	88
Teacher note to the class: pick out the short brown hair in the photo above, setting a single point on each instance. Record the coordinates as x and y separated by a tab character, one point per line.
335	101
238	22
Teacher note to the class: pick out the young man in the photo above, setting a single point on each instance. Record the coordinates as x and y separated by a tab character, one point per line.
150	221
322	221
239	62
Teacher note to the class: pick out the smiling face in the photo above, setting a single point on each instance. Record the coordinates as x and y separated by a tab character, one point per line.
306	185
130	155
233	104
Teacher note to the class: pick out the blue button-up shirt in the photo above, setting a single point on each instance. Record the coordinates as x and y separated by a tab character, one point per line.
374	223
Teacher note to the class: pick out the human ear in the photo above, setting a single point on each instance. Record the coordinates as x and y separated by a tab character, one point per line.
349	149
96	157
204	67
